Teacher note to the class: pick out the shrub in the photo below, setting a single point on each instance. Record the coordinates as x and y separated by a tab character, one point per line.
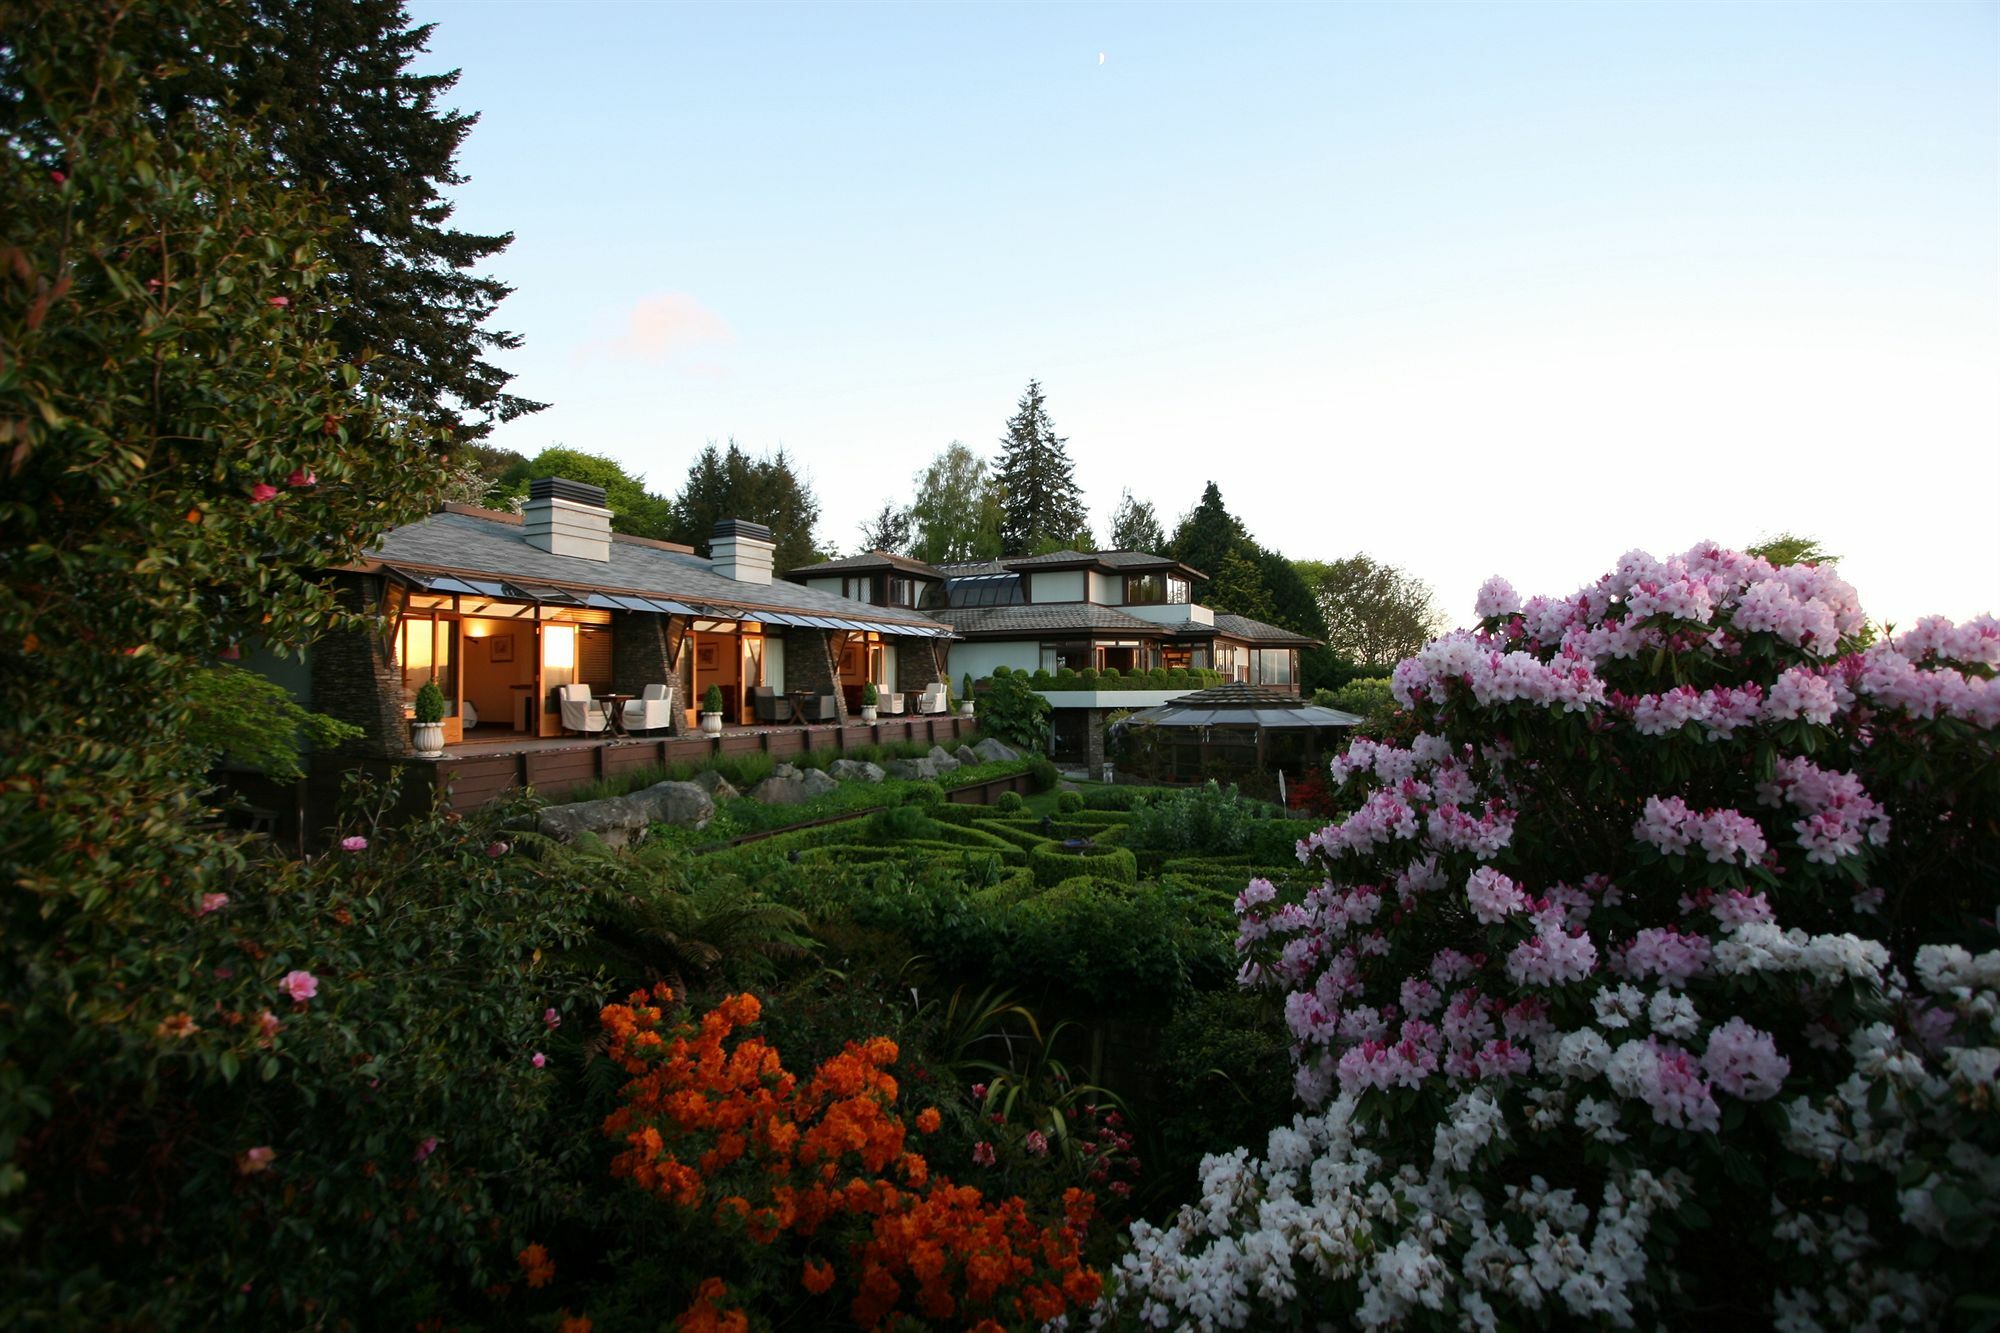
1043	774
429	704
1675	885
1013	711
1067	679
711	699
1069	802
1176	678
744	771
1042	680
1208	819
897	823
1002	671
1089	676
1367	697
925	795
870	697
1009	802
965	689
1052	863
1114	945
1158	675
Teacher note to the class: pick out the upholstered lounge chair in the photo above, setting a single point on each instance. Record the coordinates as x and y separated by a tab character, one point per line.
887	703
932	699
580	712
768	705
651	711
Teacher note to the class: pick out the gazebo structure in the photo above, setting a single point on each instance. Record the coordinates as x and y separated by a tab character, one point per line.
1246	734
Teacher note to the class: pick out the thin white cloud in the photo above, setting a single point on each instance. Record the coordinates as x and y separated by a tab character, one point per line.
660	329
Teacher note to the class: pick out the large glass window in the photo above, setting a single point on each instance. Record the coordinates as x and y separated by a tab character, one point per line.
1273	666
427	648
862	589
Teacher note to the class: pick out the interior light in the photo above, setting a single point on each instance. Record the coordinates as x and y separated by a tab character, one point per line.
558	646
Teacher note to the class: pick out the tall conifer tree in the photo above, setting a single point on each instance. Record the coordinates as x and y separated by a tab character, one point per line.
1040	504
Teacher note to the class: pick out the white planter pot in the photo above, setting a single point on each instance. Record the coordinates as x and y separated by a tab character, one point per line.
428	737
868	713
711	724
965	709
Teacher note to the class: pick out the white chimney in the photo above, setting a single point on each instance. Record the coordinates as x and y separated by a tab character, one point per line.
568	518
741	550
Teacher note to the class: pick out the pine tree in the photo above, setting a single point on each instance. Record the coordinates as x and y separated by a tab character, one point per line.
1136	527
728	483
1208	534
1040	503
956	514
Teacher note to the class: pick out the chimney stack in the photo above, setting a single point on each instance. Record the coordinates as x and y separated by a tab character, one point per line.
568	518
742	550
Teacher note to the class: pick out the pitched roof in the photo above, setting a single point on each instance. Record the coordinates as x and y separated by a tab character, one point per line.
1243	627
464	543
1042	617
867	560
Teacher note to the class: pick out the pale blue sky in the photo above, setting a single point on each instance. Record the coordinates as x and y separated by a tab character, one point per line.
1475	288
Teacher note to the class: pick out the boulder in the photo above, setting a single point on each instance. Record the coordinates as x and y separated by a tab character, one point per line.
715	785
785	771
966	756
615	820
992	751
796	789
941	759
854	770
914	770
683	803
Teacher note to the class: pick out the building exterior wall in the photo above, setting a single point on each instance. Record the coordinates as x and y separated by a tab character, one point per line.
982	656
1056	585
916	661
1106	589
644	647
1170	613
809	665
355	677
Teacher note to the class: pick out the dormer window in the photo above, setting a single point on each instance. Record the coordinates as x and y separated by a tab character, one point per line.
861	588
1155	590
904	591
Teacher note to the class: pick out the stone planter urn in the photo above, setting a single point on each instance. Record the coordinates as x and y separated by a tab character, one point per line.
711	724
965	709
428	738
868	714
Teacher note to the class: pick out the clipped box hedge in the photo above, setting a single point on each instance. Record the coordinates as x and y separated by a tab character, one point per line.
1053	863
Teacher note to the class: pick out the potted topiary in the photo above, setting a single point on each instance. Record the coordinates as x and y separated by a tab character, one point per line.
965	698
429	730
869	700
711	711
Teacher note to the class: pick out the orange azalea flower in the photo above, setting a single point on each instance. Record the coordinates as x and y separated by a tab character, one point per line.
535	1262
177	1026
928	1120
572	1323
818	1276
704	1317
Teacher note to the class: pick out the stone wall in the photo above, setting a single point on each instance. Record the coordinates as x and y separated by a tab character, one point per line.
919	663
644	647
355	677
809	665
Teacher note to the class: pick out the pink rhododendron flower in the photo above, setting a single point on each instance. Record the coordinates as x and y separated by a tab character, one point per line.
279	301
213	902
1493	896
300	985
301	477
539	1060
982	1153
551	1019
1745	1062
1037	1143
496	850
425	1149
1496	598
269	1025
354	842
262	492
252	1160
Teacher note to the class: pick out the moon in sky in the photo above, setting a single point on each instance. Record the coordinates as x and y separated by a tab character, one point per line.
1100	57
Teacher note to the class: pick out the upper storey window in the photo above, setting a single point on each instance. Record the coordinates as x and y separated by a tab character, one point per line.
1155	589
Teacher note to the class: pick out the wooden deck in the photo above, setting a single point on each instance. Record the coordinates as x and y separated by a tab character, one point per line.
478	771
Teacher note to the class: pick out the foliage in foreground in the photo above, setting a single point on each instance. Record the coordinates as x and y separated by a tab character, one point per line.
1643	981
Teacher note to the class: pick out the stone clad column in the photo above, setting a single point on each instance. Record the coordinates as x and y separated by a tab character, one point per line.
810	665
355	677
644	647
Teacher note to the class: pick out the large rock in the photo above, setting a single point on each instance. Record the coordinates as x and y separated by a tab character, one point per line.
683	803
854	770
914	770
794	789
614	820
786	771
717	786
965	756
993	752
941	759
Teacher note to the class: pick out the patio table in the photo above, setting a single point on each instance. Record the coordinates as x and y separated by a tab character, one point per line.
614	712
799	699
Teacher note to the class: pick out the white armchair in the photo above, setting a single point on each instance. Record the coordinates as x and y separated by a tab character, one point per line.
651	710
932	699
579	711
888	703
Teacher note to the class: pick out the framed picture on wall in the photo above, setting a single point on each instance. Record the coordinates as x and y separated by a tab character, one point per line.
704	656
500	648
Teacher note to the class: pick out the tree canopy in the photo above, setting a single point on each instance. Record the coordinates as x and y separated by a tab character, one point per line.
729	483
1041	507
1375	614
1789	548
1208	534
890	530
1136	527
956	515
634	509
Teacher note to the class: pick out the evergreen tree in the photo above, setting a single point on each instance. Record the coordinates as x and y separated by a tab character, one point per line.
1135	527
634	509
1039	499
956	515
728	483
1208	534
887	531
1238	588
345	120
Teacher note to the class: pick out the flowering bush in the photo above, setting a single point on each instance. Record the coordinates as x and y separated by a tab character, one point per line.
1645	977
725	1133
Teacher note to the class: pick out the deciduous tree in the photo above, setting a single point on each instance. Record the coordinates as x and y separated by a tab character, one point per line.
1375	614
889	530
956	515
634	509
1136	527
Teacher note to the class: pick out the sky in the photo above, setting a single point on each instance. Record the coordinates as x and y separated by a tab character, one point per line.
1474	289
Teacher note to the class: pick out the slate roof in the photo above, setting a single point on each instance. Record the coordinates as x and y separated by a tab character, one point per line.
1041	618
460	543
867	560
1240	627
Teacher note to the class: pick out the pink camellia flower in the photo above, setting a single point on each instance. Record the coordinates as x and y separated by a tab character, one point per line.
301	477
279	301
268	1025
426	1148
58	177
252	1160
354	843
1037	1143
213	902
551	1019
263	492
496	849
539	1060
231	654
300	985
982	1153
